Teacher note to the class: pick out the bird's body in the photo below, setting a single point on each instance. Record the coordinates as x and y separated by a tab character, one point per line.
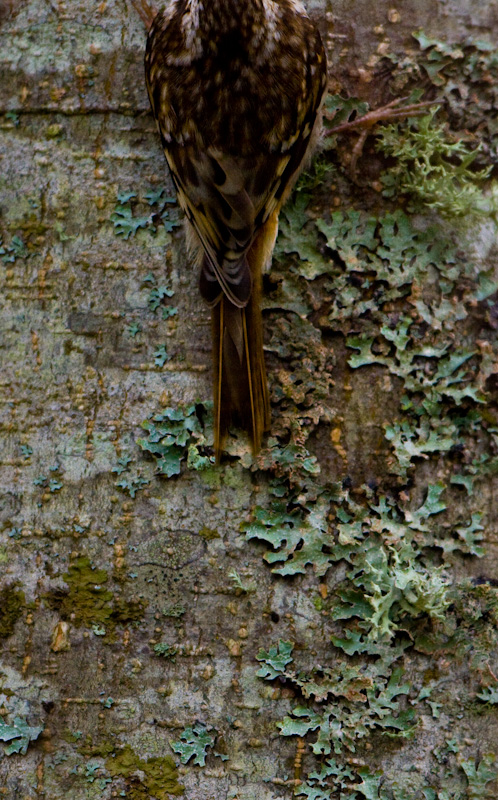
236	88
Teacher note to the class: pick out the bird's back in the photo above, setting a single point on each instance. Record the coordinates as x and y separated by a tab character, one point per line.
241	76
236	88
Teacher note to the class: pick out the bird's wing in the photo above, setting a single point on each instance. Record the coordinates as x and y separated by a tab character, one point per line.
228	197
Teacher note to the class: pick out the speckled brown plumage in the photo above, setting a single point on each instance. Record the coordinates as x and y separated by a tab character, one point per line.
236	88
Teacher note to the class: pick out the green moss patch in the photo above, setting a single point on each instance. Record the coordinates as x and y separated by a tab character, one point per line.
160	775
88	602
12	602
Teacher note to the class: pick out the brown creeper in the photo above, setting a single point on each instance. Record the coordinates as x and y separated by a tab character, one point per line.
236	87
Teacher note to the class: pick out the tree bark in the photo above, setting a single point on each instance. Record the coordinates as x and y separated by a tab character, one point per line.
133	606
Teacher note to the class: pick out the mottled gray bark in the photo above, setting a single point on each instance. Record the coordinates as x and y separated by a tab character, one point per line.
82	368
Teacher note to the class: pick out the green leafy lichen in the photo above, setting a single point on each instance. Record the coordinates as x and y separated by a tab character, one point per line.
134	329
128	482
165	650
193	743
368	262
131	484
479	773
463	75
156	296
123	465
361	782
391	584
176	435
363	701
174	610
275	661
470	631
489	695
161	356
388	577
16	249
126	224
19	734
297	539
320	784
241	586
409	301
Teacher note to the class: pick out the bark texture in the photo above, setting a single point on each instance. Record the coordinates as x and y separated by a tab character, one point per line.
133	607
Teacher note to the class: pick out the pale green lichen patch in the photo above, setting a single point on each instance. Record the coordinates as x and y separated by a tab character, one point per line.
11	252
363	783
176	435
389	577
18	734
193	744
479	774
413	303
165	650
126	223
432	170
461	74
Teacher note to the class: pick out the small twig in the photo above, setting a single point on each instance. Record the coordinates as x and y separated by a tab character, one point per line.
387	112
146	12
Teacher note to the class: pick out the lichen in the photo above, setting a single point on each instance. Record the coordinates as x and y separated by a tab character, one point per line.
175	435
126	223
193	744
431	169
411	305
461	74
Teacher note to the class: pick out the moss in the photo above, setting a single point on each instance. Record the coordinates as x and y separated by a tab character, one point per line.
125	612
208	533
53	131
12	602
160	775
88	602
102	750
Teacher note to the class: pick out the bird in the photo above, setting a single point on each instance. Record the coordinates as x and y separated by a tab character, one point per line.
236	88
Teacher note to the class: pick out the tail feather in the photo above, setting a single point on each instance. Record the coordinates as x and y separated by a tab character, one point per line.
240	383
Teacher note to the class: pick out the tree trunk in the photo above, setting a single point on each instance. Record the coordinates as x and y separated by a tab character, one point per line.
141	582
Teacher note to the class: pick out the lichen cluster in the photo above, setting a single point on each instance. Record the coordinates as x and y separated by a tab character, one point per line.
368	517
408	298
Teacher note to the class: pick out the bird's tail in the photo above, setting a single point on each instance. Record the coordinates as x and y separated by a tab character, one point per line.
240	383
